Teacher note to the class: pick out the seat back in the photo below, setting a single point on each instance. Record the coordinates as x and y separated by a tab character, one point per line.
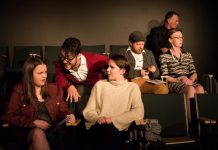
206	106
4	65
209	83
4	53
114	49
171	112
94	48
51	57
21	53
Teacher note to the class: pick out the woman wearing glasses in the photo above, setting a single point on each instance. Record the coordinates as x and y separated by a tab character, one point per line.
37	106
178	65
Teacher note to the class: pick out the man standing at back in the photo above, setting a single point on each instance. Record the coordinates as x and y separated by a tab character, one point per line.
142	65
157	40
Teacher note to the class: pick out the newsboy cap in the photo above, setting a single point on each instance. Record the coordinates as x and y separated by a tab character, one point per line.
136	36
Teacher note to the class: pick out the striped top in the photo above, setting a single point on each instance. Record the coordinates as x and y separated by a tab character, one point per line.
174	67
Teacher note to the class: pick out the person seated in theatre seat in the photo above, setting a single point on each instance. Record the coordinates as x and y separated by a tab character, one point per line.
178	66
113	105
37	107
77	72
142	65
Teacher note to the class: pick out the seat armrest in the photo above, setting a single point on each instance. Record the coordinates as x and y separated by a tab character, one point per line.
5	125
207	120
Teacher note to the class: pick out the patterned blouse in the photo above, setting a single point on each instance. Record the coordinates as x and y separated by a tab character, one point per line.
174	67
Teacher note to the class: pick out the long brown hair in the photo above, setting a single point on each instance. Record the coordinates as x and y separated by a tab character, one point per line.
28	82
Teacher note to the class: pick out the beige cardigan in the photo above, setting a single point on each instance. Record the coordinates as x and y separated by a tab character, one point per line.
119	100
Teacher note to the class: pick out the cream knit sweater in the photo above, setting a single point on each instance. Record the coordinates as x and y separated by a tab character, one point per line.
119	100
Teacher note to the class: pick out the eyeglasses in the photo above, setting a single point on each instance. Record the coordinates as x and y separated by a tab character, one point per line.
66	58
178	38
34	55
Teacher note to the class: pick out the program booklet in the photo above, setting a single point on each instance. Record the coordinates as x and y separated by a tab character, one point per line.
155	81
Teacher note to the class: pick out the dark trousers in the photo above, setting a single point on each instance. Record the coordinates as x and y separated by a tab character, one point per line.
78	107
105	137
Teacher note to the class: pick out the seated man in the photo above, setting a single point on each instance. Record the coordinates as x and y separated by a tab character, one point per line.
78	71
142	65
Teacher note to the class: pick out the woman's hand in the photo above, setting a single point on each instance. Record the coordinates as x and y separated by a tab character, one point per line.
41	124
186	81
72	94
104	120
70	119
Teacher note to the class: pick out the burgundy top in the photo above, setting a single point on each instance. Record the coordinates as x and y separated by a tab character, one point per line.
20	114
95	64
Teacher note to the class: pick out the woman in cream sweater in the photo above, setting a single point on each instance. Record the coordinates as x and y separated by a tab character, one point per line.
113	105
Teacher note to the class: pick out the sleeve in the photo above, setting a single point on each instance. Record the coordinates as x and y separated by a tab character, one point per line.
154	41
136	112
64	110
191	64
13	114
91	110
60	77
163	65
104	61
153	62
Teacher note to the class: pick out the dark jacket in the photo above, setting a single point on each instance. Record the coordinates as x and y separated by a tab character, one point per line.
157	39
20	114
148	60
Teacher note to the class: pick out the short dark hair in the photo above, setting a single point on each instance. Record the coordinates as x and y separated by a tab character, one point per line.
121	62
169	14
72	45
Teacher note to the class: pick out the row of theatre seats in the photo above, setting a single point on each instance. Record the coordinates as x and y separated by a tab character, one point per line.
171	110
49	53
178	132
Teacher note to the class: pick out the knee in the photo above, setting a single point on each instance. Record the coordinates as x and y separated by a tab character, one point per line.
191	89
37	133
200	89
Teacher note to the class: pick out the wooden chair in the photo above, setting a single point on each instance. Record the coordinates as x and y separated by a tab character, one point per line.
100	49
207	116
114	49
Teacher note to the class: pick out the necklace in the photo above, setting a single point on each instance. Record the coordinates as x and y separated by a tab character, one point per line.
175	58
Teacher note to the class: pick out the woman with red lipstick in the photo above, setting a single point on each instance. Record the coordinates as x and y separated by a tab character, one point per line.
36	105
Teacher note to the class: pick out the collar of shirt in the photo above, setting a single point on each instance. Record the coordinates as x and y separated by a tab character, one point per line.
138	59
82	71
129	49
